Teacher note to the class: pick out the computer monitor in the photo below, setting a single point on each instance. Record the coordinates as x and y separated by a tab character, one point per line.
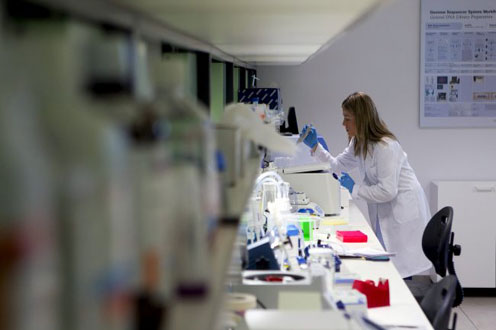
291	124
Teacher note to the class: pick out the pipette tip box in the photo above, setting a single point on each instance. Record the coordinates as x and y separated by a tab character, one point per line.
351	236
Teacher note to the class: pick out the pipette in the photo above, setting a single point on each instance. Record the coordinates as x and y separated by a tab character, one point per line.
301	138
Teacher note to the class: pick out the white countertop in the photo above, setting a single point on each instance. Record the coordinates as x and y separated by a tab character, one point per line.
403	312
403	309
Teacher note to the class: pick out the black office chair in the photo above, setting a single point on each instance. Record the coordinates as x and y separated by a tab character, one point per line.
438	246
438	302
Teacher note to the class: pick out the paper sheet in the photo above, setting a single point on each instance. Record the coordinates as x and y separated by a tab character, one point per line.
334	222
369	252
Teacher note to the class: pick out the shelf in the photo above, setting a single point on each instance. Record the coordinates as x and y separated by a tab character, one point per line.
139	23
183	313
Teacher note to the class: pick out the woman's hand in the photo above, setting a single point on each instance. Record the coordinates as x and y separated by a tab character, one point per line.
310	136
347	182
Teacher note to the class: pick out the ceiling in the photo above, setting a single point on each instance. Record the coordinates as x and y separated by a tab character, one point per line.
260	32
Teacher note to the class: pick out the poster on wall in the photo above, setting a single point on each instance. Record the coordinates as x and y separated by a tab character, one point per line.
458	63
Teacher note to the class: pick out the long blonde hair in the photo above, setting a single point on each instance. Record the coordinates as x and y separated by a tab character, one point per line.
369	127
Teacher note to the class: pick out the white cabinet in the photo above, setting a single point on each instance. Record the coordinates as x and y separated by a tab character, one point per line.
474	225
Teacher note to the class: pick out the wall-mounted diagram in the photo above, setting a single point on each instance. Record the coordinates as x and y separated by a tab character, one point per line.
458	64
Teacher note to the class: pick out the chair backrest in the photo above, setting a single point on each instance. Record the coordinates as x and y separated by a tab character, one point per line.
436	239
438	301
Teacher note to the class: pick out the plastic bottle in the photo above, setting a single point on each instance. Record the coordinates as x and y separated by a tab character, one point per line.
149	161
195	200
151	182
96	240
29	266
254	104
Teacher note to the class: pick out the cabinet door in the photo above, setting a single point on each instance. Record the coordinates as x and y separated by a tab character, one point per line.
474	225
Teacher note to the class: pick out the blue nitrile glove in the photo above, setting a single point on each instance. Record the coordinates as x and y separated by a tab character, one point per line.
311	139
347	182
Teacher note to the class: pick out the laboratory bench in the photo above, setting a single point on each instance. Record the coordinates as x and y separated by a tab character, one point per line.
403	311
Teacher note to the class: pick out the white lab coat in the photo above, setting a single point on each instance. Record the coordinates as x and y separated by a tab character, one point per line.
394	197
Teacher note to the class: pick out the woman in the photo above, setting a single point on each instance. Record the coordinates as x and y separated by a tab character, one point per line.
397	204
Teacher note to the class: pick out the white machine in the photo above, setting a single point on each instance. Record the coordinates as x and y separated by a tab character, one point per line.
306	174
320	187
305	289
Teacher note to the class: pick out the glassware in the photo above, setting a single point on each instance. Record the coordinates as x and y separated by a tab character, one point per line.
254	227
321	263
269	191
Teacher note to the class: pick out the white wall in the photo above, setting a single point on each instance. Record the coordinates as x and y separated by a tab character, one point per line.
381	57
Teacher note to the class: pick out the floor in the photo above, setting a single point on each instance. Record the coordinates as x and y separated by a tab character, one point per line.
476	313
